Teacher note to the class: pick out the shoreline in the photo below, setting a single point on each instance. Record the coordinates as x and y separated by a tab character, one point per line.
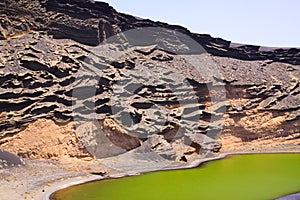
194	164
69	183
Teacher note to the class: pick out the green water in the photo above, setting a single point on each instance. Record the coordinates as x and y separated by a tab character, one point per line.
242	177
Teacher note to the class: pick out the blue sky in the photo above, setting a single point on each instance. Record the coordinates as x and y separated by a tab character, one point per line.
263	22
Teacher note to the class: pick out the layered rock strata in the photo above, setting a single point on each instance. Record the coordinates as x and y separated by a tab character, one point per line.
147	99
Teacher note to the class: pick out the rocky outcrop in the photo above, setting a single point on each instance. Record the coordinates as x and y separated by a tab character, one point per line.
43	139
8	159
149	97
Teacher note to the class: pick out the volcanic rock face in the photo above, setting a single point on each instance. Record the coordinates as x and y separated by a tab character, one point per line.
51	67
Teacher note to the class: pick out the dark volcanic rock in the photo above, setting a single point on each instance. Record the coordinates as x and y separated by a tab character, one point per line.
9	160
51	67
156	145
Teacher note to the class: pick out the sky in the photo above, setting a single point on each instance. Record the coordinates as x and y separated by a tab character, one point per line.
273	23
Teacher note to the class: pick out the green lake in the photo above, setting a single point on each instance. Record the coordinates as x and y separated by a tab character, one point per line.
255	176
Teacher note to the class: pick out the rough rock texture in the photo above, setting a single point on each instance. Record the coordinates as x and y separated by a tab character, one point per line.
45	139
157	145
8	159
50	70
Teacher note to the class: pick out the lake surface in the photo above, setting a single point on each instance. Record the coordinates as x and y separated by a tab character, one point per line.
256	176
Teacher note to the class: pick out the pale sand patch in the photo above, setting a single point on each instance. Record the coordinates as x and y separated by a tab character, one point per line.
38	177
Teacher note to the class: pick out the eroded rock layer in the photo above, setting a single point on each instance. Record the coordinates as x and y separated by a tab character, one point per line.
148	98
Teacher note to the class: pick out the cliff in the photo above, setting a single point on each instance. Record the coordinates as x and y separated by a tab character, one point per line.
79	79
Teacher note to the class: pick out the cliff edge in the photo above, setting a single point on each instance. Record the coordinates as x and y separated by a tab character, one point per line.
60	97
